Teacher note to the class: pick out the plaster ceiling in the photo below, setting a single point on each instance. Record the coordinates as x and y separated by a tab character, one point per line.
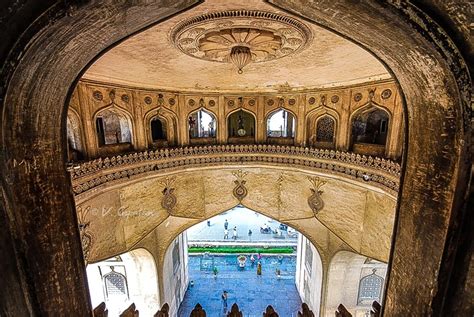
150	59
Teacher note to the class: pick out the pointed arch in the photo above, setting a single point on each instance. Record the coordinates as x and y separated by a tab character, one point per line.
202	126
169	127
312	120
369	131
281	130
114	129
244	121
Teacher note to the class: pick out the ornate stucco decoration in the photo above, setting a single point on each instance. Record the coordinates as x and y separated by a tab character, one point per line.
264	35
240	191
85	234
315	201
168	202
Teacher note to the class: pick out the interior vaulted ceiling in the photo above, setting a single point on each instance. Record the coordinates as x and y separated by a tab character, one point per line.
151	59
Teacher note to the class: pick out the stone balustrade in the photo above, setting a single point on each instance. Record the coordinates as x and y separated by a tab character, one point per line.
376	171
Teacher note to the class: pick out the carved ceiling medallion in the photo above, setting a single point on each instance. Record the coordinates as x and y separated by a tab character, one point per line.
214	36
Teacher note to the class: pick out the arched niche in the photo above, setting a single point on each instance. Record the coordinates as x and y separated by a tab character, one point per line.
322	126
202	127
240	127
113	130
370	127
281	127
161	128
74	136
121	280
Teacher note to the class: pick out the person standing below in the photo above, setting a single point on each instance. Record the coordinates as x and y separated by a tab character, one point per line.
226	224
259	269
226	234
250	235
234	233
224	300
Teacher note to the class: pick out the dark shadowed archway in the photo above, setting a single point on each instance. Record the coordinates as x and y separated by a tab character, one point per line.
44	268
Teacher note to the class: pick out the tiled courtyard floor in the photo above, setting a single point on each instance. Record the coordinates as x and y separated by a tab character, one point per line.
251	292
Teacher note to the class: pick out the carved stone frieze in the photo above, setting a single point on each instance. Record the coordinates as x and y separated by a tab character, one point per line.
366	169
315	202
240	191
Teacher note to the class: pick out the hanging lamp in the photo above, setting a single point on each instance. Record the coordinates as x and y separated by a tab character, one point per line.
240	56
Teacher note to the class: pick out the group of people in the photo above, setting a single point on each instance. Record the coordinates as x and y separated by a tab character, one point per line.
226	231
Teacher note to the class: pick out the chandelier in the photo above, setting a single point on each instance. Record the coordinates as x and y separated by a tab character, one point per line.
240	56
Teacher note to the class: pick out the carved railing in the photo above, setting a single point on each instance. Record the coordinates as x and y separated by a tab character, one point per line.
198	311
373	170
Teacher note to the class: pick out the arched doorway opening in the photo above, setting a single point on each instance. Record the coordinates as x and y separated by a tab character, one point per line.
241	127
256	260
27	125
202	126
125	279
281	127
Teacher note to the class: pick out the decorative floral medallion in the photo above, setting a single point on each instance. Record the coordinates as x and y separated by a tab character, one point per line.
212	103
231	103
292	102
268	35
125	98
315	202
270	102
335	99
191	102
97	95
148	100
358	97
171	101
252	102
312	101
240	191
386	94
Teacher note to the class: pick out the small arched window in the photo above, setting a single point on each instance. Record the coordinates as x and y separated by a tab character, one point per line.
202	124
158	129
370	126
115	285
370	288
281	124
325	128
113	128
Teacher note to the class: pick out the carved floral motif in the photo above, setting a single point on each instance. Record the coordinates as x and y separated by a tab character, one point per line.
315	201
168	202
240	191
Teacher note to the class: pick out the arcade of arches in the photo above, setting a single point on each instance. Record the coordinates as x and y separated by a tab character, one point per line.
126	124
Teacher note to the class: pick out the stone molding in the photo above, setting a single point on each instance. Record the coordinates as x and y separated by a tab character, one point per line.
375	171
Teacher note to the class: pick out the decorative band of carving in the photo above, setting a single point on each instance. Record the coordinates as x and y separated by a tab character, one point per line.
375	171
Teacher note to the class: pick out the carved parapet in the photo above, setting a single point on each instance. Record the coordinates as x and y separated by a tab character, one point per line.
305	311
342	311
372	170
234	311
131	311
101	311
164	312
198	311
270	312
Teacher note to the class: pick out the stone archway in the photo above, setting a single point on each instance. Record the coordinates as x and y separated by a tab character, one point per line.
36	203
